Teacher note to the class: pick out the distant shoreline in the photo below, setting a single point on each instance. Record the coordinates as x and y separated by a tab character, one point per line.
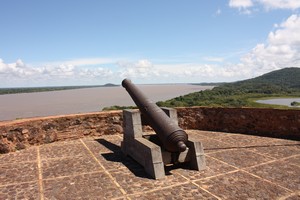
17	90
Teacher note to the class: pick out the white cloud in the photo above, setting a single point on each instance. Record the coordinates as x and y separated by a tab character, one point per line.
140	69
247	6
61	71
49	74
194	72
280	4
95	73
282	49
145	71
240	3
17	69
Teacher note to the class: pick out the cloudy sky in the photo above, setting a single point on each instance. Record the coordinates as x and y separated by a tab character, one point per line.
87	42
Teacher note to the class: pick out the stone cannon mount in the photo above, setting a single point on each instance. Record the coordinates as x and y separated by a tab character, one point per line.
147	149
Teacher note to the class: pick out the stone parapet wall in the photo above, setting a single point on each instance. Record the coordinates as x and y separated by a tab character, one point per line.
256	121
19	134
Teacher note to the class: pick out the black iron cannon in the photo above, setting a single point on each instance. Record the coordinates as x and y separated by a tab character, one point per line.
172	137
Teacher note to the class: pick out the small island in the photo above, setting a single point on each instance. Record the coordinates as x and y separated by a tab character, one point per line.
295	103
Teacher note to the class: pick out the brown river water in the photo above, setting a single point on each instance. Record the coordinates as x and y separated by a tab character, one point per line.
15	106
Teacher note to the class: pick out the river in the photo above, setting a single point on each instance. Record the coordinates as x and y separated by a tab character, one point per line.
14	106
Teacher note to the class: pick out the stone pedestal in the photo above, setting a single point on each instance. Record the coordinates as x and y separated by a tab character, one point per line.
149	154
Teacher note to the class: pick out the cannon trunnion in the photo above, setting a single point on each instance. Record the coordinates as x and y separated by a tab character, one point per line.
170	144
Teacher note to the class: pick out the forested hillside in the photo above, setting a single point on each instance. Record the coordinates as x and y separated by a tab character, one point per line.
284	82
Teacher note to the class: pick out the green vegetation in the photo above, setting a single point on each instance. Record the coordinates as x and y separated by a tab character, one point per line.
47	89
276	84
115	107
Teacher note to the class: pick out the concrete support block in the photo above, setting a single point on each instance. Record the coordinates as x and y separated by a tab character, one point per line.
132	123
196	155
140	149
172	113
150	155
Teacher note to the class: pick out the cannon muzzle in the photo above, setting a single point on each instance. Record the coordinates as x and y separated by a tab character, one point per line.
172	137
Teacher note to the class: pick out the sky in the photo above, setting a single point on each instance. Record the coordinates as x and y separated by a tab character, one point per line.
92	42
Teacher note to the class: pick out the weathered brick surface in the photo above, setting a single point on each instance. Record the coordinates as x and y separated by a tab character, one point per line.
257	121
95	168
19	134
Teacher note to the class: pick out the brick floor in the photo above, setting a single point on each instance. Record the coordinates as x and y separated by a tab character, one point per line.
238	167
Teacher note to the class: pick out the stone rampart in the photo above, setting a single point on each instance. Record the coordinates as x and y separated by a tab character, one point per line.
255	121
19	134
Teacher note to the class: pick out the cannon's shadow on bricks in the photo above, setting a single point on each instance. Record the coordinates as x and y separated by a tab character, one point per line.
116	156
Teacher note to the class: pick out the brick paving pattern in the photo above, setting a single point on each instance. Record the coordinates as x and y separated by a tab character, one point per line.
238	167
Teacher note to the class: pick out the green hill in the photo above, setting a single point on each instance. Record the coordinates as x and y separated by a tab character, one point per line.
284	80
279	83
287	77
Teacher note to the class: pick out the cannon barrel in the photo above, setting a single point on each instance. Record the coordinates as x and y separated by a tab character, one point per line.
172	137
